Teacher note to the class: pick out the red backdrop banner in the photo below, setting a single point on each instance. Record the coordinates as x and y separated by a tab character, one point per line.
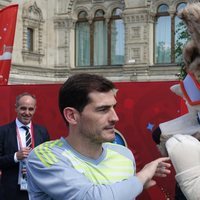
141	107
8	16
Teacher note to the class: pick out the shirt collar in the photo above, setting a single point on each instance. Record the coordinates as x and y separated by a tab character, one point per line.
19	124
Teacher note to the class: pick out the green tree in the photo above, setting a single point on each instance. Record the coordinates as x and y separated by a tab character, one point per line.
182	36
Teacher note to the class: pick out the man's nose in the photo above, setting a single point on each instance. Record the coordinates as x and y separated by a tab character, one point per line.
27	111
114	116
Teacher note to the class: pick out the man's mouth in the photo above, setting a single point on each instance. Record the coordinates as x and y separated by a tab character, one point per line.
26	118
111	128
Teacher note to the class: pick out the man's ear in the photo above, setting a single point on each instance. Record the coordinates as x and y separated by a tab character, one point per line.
16	108
71	115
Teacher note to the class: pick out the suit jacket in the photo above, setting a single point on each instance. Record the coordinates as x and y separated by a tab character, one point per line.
8	147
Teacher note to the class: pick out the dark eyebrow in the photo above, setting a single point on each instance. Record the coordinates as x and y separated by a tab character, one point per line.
104	107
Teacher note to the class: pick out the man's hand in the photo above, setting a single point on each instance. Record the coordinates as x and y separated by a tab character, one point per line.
23	153
158	167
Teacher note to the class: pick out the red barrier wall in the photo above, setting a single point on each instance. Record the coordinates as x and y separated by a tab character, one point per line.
141	107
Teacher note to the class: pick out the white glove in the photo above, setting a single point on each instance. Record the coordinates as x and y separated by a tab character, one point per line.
184	151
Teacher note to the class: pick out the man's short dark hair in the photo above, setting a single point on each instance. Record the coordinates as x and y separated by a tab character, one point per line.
74	92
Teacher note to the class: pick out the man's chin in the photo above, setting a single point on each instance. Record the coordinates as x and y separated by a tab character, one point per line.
107	137
25	122
111	138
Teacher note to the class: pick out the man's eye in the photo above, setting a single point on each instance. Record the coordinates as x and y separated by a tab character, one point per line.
24	109
104	109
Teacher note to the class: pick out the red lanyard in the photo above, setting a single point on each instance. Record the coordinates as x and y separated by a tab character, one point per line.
20	140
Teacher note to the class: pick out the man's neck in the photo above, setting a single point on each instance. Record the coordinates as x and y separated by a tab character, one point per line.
85	147
19	123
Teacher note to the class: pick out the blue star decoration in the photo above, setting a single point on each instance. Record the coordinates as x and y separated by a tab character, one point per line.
150	126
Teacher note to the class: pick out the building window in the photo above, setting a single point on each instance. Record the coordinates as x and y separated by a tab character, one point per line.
30	33
117	38
82	40
100	39
99	43
163	35
166	35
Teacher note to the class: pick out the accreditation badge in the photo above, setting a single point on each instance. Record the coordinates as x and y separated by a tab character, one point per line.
23	177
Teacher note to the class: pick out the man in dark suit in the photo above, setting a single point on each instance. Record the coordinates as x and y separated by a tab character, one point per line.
17	139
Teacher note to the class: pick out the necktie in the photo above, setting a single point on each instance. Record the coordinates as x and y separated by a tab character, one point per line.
28	136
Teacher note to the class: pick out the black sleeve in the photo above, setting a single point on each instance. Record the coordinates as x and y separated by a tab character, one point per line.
156	135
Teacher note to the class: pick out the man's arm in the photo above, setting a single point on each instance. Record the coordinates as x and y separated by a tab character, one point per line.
64	182
6	159
61	181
